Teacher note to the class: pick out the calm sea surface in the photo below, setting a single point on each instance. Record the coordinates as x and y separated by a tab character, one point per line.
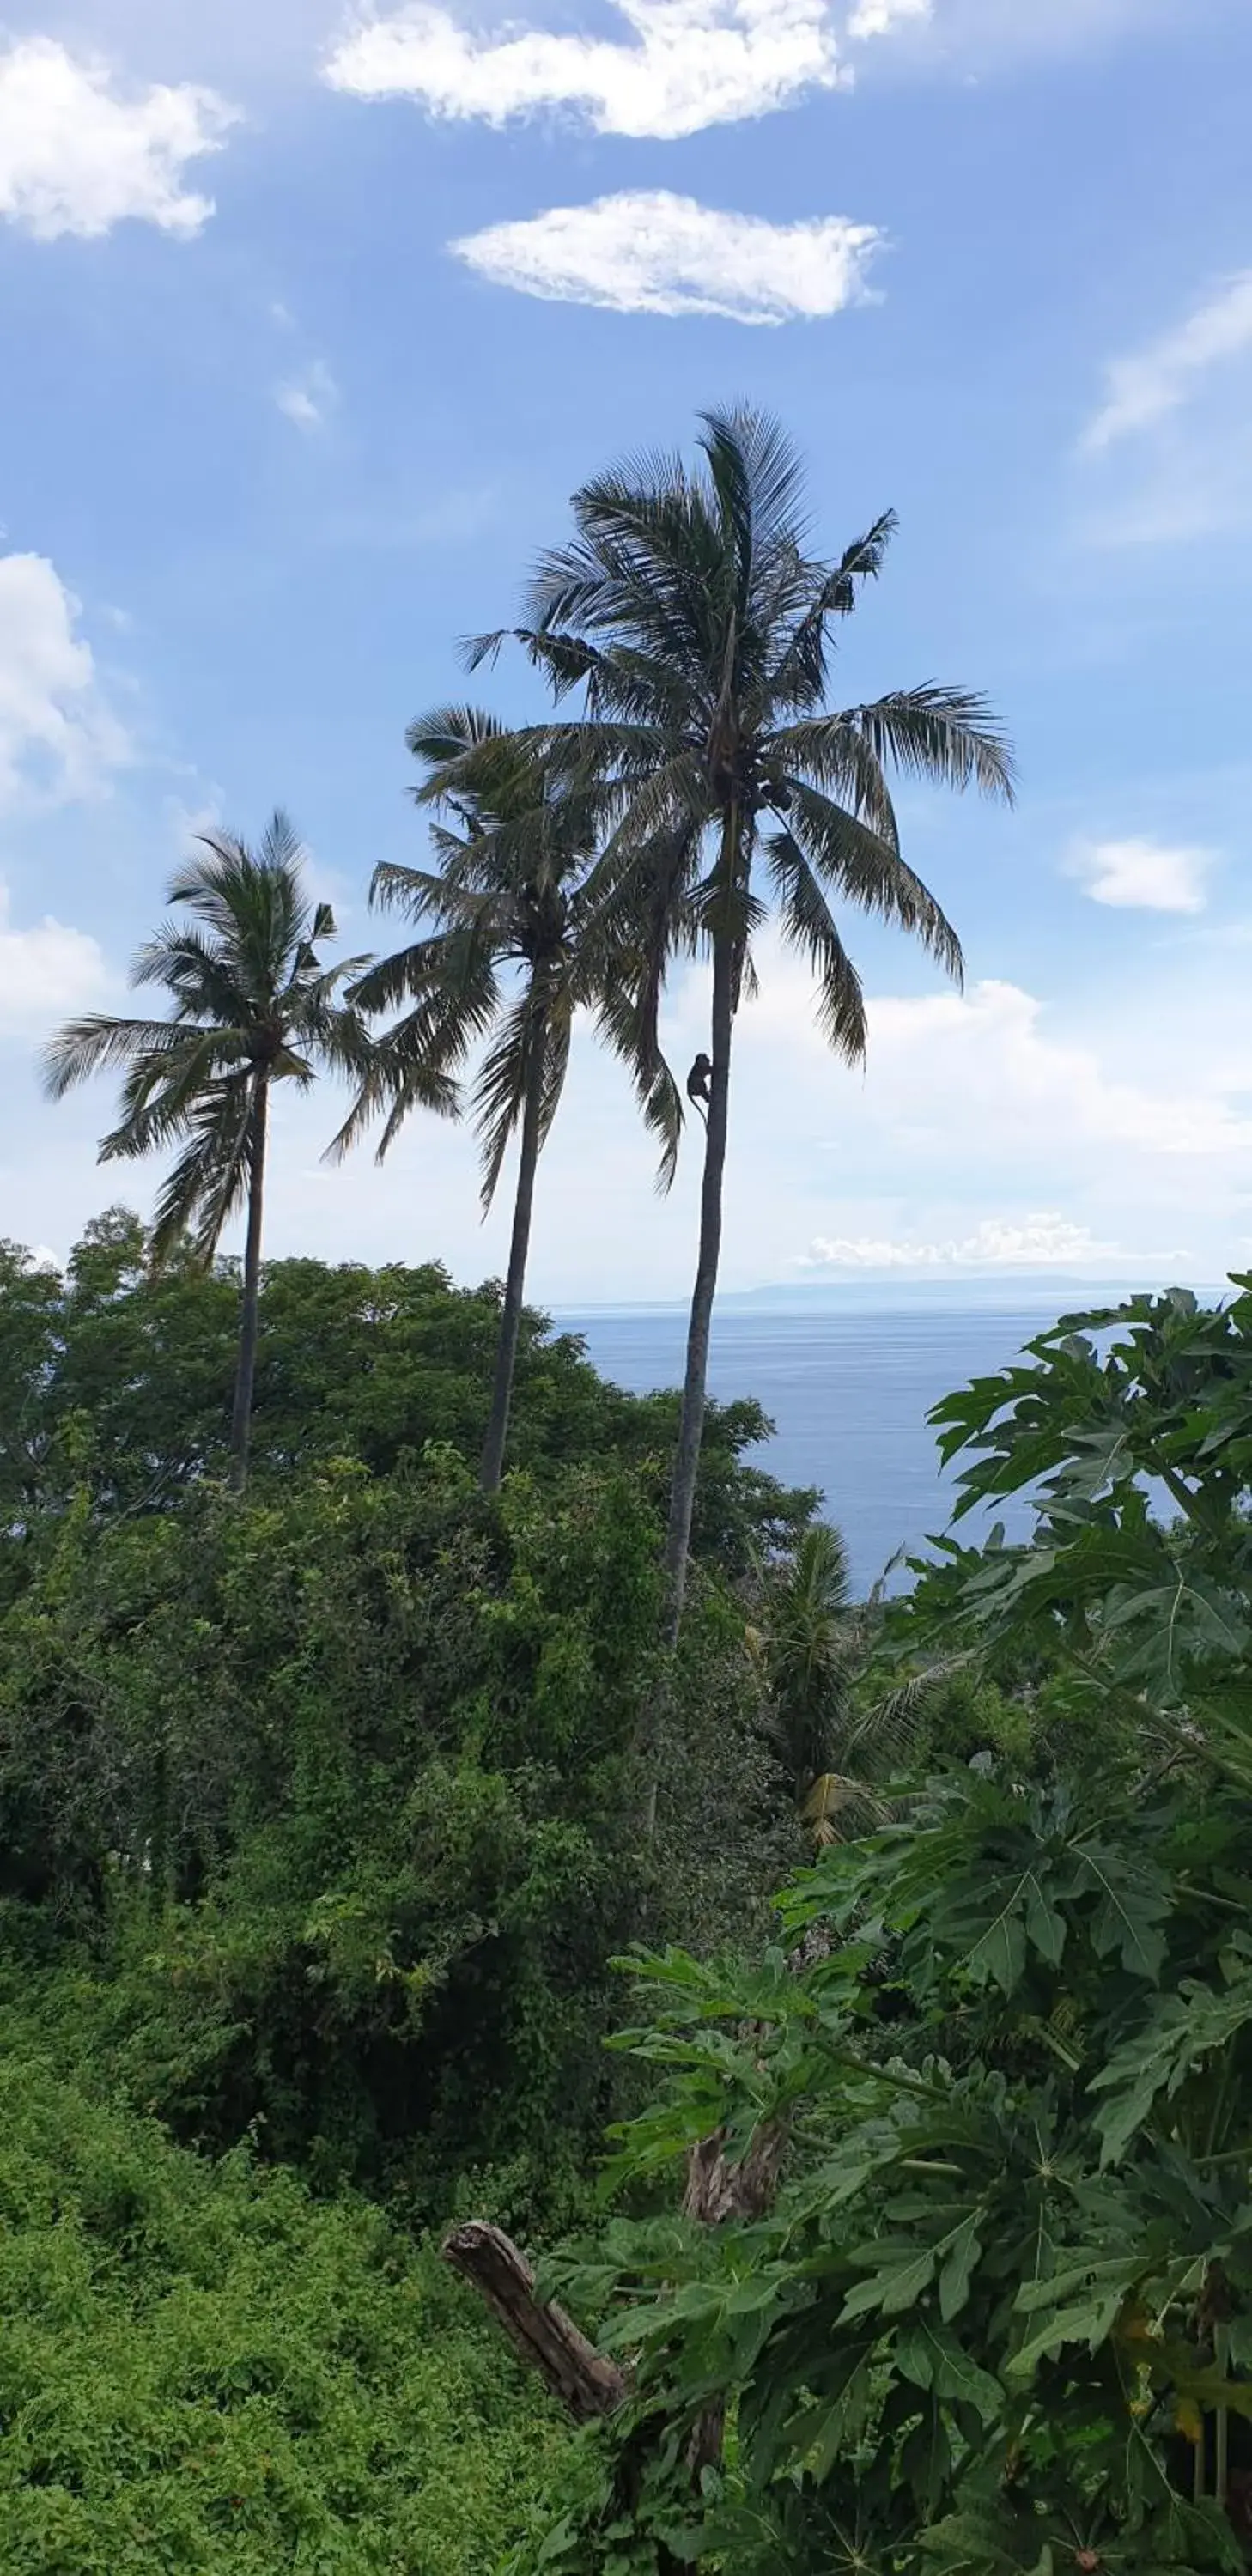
848	1394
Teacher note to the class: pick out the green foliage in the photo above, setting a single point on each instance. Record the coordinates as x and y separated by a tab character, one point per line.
205	2373
120	1380
1133	1427
997	2316
315	1840
841	1722
350	1764
335	1784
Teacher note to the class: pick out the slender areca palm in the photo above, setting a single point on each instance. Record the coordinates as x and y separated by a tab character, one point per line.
517	943
813	1646
252	1006
696	622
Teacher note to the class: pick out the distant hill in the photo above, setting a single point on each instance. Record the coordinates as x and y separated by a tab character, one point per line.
1042	1292
955	1291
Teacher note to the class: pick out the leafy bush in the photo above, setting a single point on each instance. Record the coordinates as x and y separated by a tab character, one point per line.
117	1380
996	2316
203	2372
347	1771
336	1786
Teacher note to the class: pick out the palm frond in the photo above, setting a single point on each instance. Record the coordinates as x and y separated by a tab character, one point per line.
414	1064
808	925
757	478
871	874
204	982
946	736
95	1042
830	754
392	1089
393	980
448	733
210	1179
162	1088
799	675
502	1081
627	1020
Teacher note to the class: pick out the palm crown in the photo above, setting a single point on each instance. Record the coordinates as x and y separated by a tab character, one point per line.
516	938
519	936
252	1004
692	614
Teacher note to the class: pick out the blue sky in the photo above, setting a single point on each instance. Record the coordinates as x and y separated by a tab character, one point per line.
311	324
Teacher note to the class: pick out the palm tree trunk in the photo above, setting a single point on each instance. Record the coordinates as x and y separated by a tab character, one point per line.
511	1318
245	1373
695	1386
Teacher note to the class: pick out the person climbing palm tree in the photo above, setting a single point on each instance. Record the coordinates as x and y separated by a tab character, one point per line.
694	618
252	1006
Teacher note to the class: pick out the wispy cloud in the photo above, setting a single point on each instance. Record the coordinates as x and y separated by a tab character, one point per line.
681	65
59	739
1145	388
885	17
78	155
650	252
1142	876
309	398
1040	1242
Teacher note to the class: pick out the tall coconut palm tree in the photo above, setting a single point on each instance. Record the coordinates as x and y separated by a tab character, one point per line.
252	1006
516	944
693	616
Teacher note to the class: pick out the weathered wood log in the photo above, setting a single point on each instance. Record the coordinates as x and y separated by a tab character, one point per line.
587	2384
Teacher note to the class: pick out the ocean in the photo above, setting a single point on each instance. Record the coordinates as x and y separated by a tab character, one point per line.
848	1393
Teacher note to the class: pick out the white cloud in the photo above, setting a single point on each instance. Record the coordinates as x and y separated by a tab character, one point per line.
1142	876
44	971
988	1059
686	64
78	157
308	399
1144	389
58	738
683	65
883	17
651	252
1044	1242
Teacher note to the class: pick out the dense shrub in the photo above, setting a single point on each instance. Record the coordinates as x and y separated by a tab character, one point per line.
204	2373
336	1784
117	1381
341	1778
981	2298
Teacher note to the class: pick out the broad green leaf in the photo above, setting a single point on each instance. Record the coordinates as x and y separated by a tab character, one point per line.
999	1953
891	2290
957	2272
1087	2321
933	2359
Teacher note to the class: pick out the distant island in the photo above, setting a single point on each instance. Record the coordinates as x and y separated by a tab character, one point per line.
953	1292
